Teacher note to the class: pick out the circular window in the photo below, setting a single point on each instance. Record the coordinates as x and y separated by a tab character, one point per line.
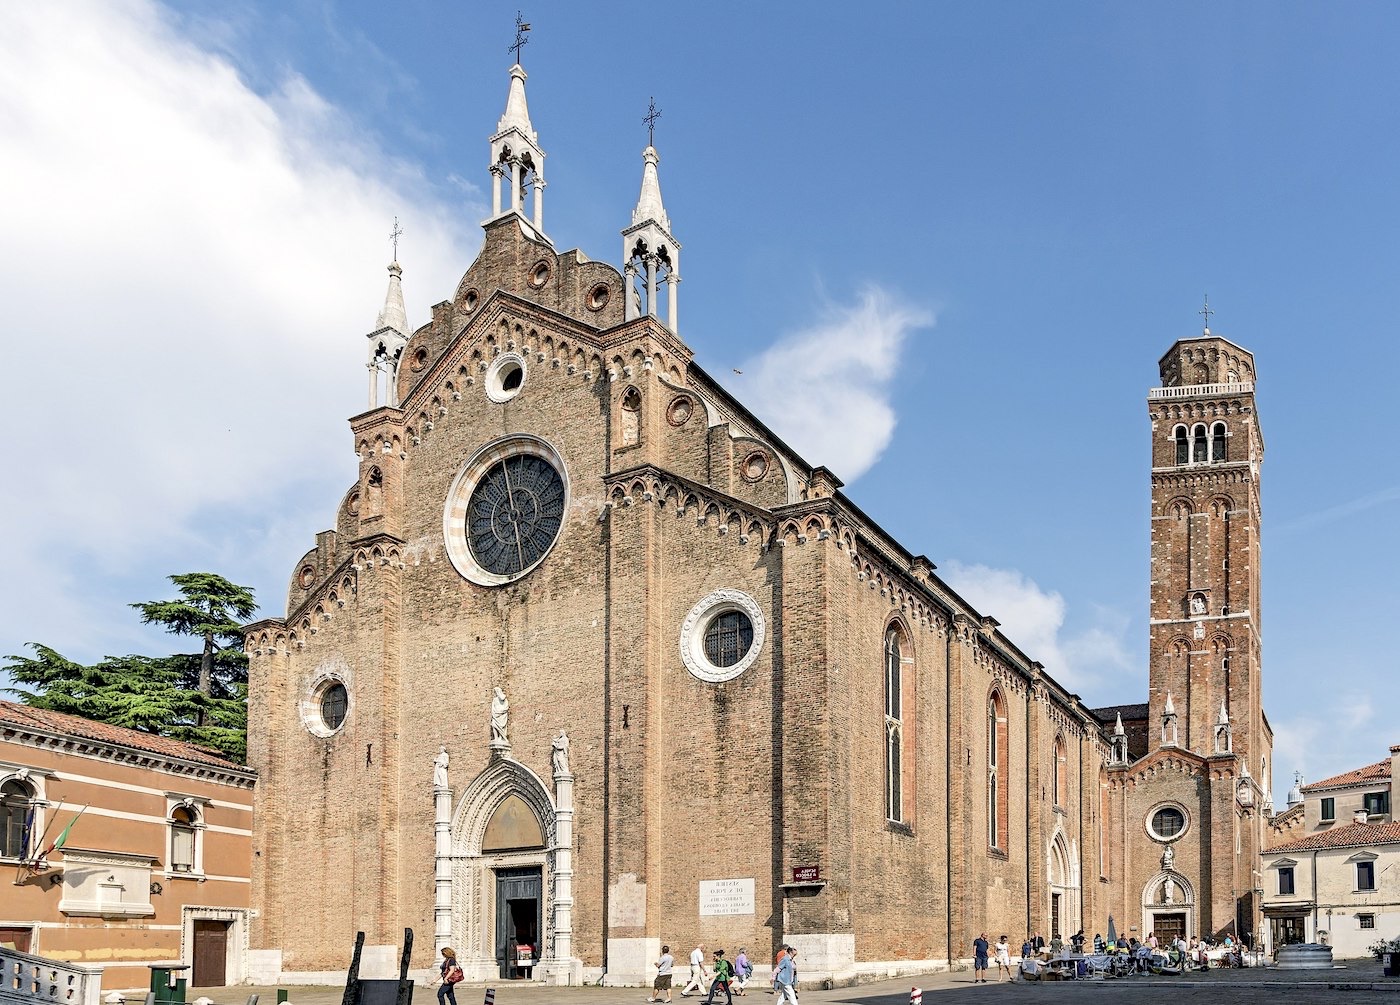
539	273
470	299
306	577
352	505
335	701
598	297
505	510
419	361
506	377
679	411
1167	823
722	636
327	703
755	466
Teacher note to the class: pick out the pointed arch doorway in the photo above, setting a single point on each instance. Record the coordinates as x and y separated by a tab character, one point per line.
1062	875
503	840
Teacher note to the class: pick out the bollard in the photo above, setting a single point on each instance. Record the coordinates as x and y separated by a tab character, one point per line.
281	995
490	996
916	996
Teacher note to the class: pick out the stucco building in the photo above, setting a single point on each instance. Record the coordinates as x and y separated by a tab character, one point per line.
1329	875
739	712
156	867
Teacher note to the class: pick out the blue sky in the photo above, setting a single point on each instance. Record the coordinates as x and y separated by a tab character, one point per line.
946	243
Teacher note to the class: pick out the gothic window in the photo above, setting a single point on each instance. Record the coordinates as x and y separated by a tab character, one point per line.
894	729
1183	446
17	818
1057	771
998	827
1217	442
631	417
1198	444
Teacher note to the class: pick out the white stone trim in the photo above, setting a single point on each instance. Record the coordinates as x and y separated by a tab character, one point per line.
454	514
495	377
332	671
692	638
1166	804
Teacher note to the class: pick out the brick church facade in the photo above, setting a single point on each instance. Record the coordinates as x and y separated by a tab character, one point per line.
593	661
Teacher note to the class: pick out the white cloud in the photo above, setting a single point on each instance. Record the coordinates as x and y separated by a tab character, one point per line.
1034	619
825	389
188	268
1337	734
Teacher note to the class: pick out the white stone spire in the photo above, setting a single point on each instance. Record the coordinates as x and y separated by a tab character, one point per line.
1169	708
1118	726
388	340
1224	718
649	251
516	158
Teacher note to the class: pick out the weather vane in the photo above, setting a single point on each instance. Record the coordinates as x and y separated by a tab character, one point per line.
521	27
1206	312
653	113
394	236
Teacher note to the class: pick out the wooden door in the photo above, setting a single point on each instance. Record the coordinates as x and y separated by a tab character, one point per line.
210	954
1168	928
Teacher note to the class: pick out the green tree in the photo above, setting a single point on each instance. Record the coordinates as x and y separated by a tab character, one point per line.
201	697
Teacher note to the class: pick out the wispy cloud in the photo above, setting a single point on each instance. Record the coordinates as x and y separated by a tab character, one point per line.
1034	619
188	268
826	388
1335	735
1342	510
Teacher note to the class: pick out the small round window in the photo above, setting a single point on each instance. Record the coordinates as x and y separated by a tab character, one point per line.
539	273
1167	823
506	377
722	636
598	297
335	700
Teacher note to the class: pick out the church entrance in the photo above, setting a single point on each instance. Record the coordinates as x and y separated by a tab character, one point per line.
1169	927
518	902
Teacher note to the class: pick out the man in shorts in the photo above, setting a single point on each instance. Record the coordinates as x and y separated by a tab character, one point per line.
664	967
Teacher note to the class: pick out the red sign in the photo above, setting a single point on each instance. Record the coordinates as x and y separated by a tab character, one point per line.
806	874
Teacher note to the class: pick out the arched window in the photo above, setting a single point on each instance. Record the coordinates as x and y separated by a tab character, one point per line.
1057	771
17	818
1217	442
1183	446
182	832
998	826
894	728
1198	445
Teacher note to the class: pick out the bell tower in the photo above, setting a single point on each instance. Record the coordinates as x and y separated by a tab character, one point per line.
1207	448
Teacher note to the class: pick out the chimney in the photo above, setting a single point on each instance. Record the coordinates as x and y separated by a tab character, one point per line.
1359	817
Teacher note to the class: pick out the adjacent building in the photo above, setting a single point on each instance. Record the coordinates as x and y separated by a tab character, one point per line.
1334	878
591	660
156	866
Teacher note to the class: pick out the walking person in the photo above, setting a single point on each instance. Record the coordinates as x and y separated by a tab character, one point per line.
698	973
979	959
743	970
778	962
786	976
724	970
1003	948
665	967
450	974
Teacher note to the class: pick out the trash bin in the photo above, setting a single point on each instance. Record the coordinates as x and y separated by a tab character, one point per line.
382	992
168	983
1391	962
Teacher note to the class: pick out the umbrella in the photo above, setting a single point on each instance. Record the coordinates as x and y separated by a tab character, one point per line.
1112	931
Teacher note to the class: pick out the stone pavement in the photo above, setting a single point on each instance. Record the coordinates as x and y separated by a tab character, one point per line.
1356	983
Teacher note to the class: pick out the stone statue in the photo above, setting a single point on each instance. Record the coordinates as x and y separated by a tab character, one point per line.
560	754
500	711
1198	604
440	769
1169	891
1168	858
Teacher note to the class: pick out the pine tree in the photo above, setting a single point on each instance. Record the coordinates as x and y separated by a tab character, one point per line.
201	697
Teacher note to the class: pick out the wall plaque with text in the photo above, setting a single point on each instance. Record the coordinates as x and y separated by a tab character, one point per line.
726	896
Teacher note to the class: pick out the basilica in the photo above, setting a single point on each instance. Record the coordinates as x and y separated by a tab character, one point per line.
576	583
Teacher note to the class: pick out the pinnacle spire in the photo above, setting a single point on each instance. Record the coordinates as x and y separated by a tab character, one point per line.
1224	718
393	315
649	206
1169	708
1118	726
517	113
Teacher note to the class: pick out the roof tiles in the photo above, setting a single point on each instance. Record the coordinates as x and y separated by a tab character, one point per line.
1348	836
1370	773
25	716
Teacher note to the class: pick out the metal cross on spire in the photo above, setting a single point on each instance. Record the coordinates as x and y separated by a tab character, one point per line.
653	113
394	236
1206	312
521	27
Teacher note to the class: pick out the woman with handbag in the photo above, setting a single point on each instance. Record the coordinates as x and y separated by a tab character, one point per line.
451	975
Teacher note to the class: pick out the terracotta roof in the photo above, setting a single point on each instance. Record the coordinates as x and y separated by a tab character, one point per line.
1109	713
25	716
1370	773
1348	836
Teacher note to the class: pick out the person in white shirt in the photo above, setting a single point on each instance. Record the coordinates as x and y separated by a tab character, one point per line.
698	972
1003	951
664	967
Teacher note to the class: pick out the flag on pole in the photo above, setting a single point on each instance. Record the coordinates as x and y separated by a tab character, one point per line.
62	838
26	837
